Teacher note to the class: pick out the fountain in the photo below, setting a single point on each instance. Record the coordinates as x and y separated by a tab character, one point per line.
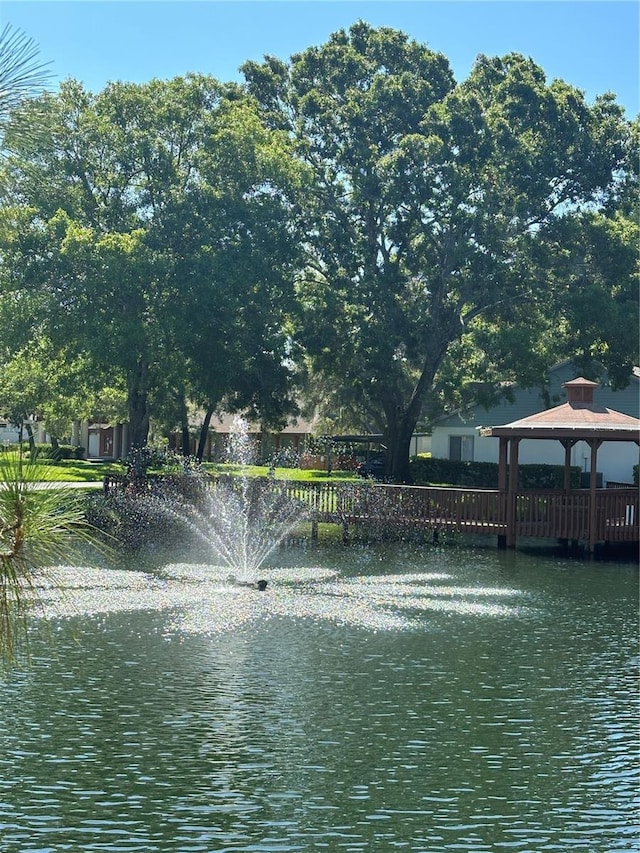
241	519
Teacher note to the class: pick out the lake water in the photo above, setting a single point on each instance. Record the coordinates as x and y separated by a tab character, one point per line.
372	699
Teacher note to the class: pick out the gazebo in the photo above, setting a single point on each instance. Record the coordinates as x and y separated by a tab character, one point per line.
594	514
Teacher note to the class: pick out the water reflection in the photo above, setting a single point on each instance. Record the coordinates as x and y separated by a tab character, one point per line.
372	701
209	603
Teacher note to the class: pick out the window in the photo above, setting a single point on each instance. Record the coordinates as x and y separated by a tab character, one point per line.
461	448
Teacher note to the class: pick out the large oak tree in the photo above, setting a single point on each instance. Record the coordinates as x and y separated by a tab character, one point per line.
429	213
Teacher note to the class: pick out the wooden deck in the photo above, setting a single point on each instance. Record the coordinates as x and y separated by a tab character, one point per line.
540	514
543	514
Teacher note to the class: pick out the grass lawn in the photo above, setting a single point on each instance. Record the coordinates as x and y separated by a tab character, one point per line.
77	471
67	470
282	473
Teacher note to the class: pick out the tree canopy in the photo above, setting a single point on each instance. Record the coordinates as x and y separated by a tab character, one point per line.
148	226
354	214
433	214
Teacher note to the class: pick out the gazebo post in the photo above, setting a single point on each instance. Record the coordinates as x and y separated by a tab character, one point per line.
568	444
502	484
594	443
502	464
512	493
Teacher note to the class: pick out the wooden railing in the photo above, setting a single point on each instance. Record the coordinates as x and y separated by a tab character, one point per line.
552	515
559	515
470	510
539	513
617	515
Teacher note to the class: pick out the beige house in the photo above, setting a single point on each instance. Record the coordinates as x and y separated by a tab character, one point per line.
111	441
292	437
101	441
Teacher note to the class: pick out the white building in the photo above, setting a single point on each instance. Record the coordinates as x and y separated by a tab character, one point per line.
458	437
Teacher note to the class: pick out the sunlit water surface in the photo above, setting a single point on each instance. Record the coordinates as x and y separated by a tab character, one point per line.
377	699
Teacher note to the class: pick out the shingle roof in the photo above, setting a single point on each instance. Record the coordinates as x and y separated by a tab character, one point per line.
578	417
223	423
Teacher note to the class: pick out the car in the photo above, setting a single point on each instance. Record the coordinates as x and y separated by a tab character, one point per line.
372	469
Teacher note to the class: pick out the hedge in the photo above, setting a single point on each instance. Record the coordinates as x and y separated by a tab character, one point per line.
484	475
63	451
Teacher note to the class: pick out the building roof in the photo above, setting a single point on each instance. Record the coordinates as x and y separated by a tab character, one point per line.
580	417
519	402
223	424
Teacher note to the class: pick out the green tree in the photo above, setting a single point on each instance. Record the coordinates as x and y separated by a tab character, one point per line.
145	224
97	174
428	205
233	228
44	384
23	390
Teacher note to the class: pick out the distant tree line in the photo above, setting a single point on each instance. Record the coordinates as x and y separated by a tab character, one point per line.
351	228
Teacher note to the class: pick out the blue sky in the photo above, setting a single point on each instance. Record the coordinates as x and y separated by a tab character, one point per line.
590	44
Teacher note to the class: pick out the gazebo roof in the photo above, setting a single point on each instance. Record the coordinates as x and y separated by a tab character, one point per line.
579	418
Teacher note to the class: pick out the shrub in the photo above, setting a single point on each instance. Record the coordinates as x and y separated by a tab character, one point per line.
286	457
128	520
65	451
134	513
54	454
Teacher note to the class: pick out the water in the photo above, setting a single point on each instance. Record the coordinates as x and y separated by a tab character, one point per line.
377	699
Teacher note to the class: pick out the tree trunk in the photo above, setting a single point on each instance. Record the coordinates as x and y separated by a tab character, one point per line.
402	422
204	432
184	423
32	442
400	428
55	446
186	439
137	401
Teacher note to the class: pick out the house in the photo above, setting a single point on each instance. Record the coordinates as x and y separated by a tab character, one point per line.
9	434
267	443
458	436
111	441
101	441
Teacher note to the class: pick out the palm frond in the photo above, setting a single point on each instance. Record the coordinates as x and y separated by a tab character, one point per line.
41	526
22	75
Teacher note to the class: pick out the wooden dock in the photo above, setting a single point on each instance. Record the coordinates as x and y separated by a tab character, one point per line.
544	514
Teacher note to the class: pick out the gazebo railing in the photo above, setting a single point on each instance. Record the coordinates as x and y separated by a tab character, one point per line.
567	515
617	515
552	515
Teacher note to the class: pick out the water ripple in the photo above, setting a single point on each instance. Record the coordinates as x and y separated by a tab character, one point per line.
204	599
369	701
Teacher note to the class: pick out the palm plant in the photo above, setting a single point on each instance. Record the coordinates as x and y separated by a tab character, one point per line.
41	524
22	75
